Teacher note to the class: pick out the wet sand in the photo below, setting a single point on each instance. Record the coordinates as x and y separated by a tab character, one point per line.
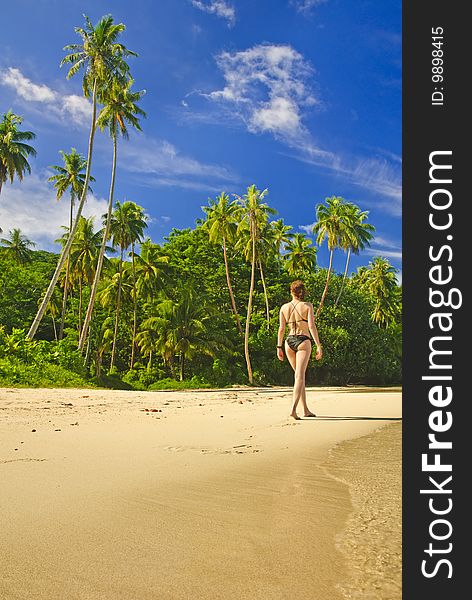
198	494
371	541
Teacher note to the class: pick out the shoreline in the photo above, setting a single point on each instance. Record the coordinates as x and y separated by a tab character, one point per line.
208	494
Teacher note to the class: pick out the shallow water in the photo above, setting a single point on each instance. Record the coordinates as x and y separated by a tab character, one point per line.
371	540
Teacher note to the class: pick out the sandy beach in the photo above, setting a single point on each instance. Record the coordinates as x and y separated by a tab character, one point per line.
116	495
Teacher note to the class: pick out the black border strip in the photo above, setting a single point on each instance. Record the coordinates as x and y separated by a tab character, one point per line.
428	128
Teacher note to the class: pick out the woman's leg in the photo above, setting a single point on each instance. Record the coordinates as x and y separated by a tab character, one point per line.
299	361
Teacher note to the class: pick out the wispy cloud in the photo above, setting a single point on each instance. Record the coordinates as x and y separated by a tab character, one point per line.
67	107
220	8
32	207
306	6
161	163
384	246
268	88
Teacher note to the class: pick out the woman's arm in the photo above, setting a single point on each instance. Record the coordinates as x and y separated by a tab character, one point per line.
314	332
280	334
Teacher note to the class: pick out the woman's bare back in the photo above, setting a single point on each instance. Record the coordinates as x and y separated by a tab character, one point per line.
296	315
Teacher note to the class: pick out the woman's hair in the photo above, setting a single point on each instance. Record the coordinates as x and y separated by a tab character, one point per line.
298	289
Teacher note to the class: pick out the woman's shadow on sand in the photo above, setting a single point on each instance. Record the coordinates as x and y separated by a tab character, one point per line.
337	418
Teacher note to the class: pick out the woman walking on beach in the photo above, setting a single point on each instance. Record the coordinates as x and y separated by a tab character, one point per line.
299	316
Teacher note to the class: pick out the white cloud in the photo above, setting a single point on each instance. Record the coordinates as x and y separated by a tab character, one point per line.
383	252
78	108
67	107
385	246
220	8
308	229
267	86
305	6
165	165
32	207
25	88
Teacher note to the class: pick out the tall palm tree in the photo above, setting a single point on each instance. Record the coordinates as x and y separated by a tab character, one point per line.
14	151
71	177
330	224
221	226
379	280
357	235
18	246
253	213
120	110
101	57
126	228
83	257
300	255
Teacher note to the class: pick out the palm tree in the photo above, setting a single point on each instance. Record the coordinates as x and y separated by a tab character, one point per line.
221	226
83	257
151	267
126	228
117	283
119	110
379	280
281	234
102	59
71	177
300	255
182	328
18	246
14	151
330	224
357	236
253	213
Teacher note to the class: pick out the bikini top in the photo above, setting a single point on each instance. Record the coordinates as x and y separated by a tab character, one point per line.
296	320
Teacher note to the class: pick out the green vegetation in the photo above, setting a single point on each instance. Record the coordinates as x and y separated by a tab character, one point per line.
163	316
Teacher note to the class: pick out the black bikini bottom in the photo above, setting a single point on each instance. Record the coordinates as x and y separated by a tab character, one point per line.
295	340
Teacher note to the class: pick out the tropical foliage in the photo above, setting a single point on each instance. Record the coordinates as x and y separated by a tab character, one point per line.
136	314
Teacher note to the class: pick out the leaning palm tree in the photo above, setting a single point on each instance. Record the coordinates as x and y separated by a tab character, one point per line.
101	57
14	151
120	110
356	236
253	212
18	246
126	228
300	256
330	224
221	226
71	177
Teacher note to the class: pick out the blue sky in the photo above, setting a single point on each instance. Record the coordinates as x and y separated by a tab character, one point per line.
302	97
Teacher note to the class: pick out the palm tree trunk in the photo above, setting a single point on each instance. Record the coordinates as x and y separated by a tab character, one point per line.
135	308
80	303
66	281
249	306
325	291
182	365
344	277
98	271
265	295
65	251
117	317
54	327
150	361
228	281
